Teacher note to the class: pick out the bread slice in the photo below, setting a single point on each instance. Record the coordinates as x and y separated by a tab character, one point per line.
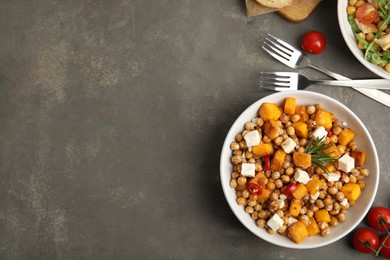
274	3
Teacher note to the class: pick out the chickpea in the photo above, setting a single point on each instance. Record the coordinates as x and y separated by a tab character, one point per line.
233	183
258	167
338	185
259	122
249	126
241	180
238	193
243	145
351	9
336	206
320	204
252	160
304	219
364	172
278	140
271	231
328	201
262	214
280	213
329	207
352	179
322	225
303	210
319	171
275	175
270	186
314	208
249	209
234	146
387	66
355	172
325	232
284	118
352	2
310	124
290	131
248	155
251	203
309	213
278	183
352	145
334	139
260	223
339	196
236	159
266	139
333	222
241	201
362	184
295	118
263	181
274	196
282	230
245	193
235	175
239	137
341	217
258	207
285	178
255	215
311	110
332	190
289	171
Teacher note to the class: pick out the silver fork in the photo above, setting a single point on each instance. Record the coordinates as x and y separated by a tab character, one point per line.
294	58
283	81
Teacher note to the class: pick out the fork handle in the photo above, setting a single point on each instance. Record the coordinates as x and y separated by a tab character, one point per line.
359	83
328	72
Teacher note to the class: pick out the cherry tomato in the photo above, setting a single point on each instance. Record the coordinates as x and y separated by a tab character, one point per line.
313	42
290	189
366	13
365	240
385	250
378	218
255	188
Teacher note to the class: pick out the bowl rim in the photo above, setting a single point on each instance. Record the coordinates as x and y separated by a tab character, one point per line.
226	186
349	39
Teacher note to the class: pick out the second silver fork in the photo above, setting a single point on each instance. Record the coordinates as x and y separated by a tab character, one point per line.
282	81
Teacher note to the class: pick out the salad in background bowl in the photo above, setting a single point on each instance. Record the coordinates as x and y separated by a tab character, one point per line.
365	27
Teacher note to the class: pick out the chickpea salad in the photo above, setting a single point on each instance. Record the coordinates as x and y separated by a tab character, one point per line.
297	169
369	20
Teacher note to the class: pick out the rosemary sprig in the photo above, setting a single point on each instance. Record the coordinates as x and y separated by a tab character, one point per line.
316	147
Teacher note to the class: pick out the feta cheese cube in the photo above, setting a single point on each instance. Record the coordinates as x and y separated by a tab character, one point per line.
301	176
320	132
248	169
346	163
291	220
288	145
275	222
281	203
332	176
252	138
315	196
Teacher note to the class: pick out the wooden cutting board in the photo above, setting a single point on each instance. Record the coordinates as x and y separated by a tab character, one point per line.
298	11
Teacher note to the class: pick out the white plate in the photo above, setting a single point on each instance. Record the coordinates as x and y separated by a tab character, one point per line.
354	215
349	38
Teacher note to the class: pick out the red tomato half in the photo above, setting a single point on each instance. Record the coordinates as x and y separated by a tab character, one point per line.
385	250
366	13
378	218
255	188
313	42
365	238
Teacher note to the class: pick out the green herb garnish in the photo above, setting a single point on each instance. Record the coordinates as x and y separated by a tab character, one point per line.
316	147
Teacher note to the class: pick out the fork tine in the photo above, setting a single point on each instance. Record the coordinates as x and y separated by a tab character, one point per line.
279	46
278	55
285	44
278	81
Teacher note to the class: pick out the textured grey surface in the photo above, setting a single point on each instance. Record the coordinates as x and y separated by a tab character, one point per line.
112	118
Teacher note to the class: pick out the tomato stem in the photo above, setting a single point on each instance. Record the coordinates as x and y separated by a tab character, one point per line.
382	245
366	244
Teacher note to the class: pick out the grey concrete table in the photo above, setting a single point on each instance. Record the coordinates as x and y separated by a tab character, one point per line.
112	118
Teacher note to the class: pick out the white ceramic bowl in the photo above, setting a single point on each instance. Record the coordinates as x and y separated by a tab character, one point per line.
349	38
354	215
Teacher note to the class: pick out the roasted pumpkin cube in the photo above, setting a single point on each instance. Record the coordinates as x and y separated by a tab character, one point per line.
290	105
346	136
301	129
359	156
313	186
322	215
333	151
351	191
312	227
297	232
324	118
269	111
263	150
277	161
271	128
302	160
300	191
295	207
330	168
264	196
301	111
